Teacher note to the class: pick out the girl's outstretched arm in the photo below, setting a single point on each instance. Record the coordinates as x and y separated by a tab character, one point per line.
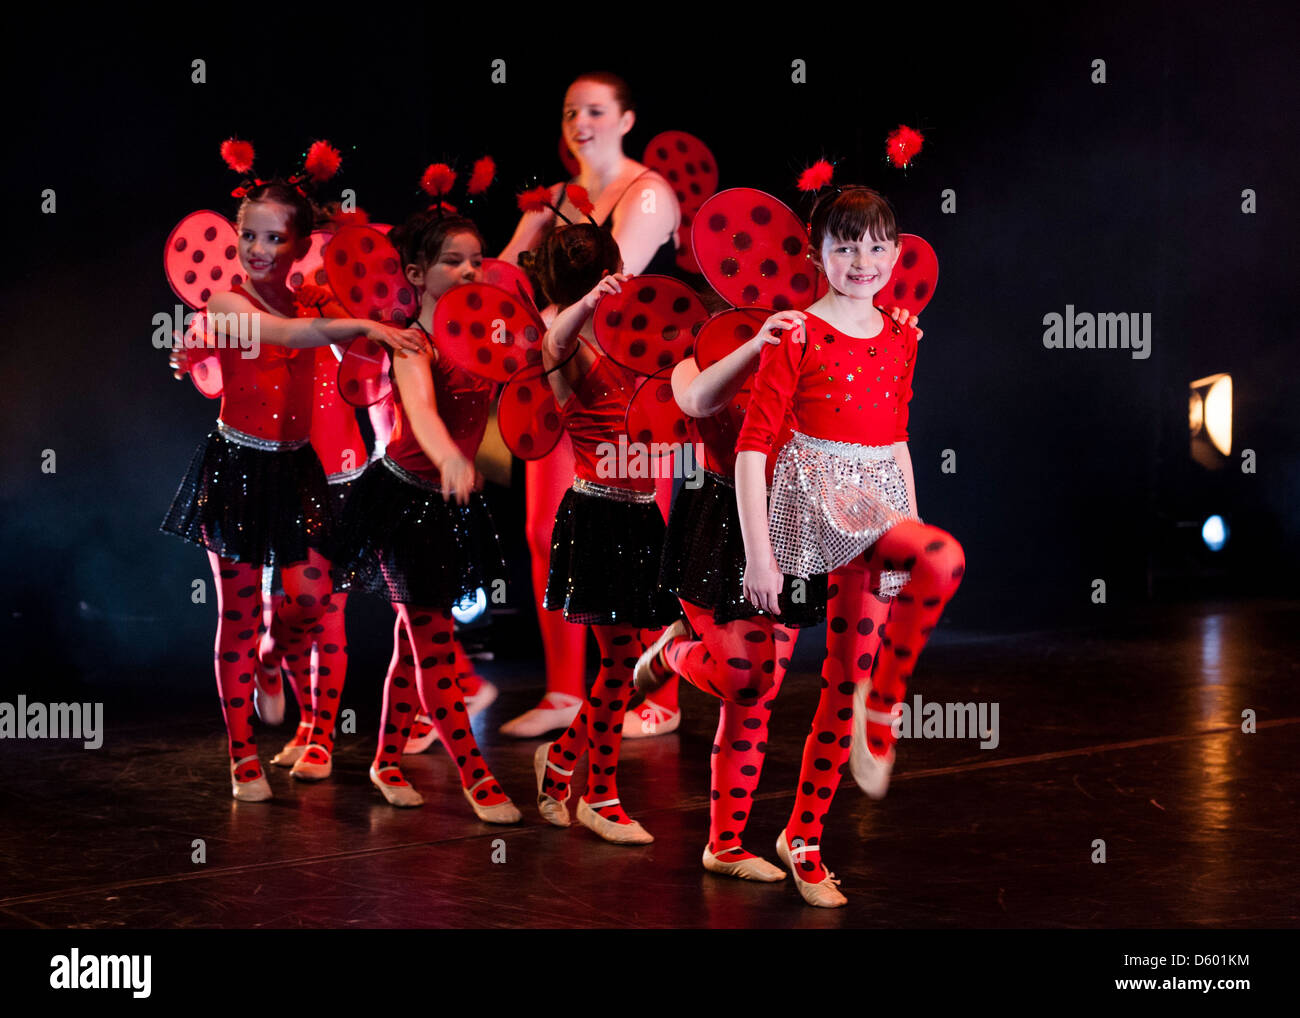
704	393
563	333
763	578
302	332
413	376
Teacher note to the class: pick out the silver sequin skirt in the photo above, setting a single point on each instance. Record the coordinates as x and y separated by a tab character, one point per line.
831	501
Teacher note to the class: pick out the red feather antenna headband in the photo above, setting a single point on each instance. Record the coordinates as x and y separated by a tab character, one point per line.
538	198
902	145
321	161
438	179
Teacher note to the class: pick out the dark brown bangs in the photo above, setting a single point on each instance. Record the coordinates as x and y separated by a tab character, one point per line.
852	214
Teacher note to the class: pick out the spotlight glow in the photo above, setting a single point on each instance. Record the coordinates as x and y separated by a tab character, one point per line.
470	607
1214	532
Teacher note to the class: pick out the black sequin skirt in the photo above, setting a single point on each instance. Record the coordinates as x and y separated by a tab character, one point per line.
402	541
605	562
254	505
704	560
339	489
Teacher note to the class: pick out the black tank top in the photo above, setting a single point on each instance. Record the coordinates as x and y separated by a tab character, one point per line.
664	261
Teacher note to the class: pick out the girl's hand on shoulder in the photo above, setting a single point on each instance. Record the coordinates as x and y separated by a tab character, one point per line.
790	321
608	284
397	339
904	317
763	583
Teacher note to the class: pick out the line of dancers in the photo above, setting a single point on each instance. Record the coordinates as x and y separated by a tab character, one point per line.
806	513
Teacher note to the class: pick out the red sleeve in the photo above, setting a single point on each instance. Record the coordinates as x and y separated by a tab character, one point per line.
905	385
772	393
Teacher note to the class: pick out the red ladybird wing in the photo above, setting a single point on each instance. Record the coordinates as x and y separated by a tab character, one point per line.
527	414
727	331
205	364
653	417
753	250
650	325
510	277
915	275
310	268
487	331
363	372
692	172
364	271
201	257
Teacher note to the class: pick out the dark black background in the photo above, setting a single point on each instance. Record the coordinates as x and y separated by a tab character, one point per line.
1072	465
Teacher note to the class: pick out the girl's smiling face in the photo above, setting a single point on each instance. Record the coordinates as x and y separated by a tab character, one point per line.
268	243
460	260
593	121
858	269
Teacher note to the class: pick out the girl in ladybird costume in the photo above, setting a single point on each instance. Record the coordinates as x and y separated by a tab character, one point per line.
256	494
317	681
416	530
607	540
726	648
843	502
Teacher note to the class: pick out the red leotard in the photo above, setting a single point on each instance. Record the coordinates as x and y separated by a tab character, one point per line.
839	387
718	434
463	402
594	416
269	395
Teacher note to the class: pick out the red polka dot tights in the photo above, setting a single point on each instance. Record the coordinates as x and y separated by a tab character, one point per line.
598	728
742	663
864	631
308	595
423	642
316	660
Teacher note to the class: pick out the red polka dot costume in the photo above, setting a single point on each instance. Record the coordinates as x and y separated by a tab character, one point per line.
406	542
742	661
256	496
605	550
850	399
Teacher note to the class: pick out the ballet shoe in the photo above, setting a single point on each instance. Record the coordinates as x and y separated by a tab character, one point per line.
269	706
307	769
423	735
482	699
650	719
292	751
651	670
618	834
753	868
501	813
257	790
824	893
397	795
537	722
871	772
553	810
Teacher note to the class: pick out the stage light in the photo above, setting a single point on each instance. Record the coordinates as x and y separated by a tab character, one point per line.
470	607
1214	532
1209	419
